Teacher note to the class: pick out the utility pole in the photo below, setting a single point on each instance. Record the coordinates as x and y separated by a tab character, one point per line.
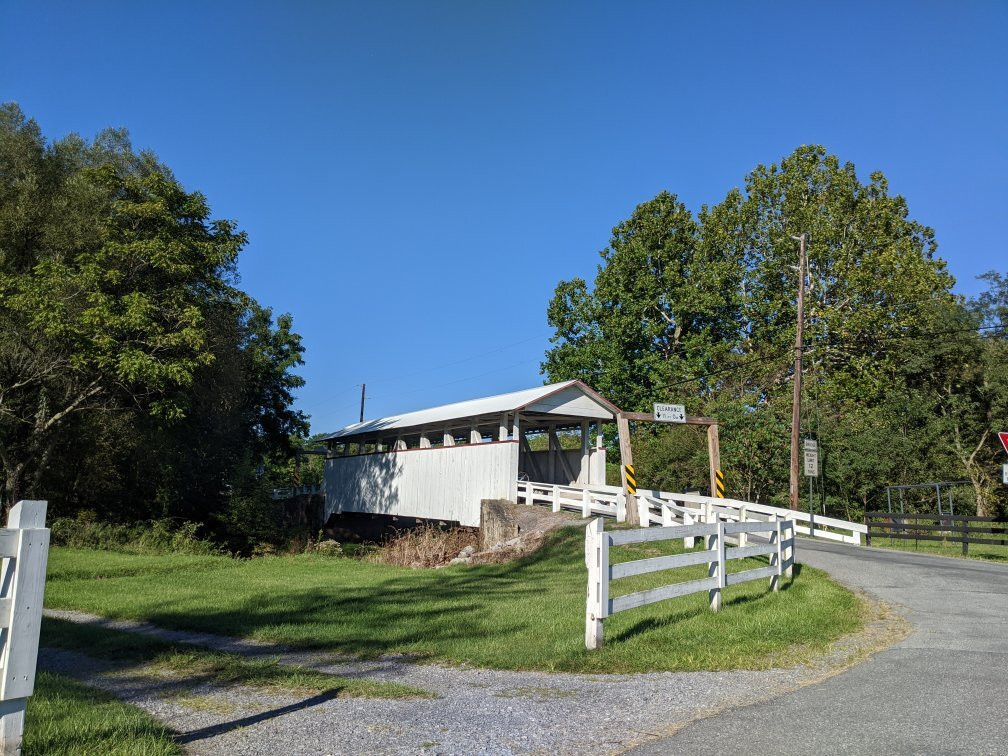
362	387
796	402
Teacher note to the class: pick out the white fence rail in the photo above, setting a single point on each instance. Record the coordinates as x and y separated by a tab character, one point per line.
666	508
696	508
779	548
24	546
588	500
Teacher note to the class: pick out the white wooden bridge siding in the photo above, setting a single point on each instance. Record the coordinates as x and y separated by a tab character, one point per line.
440	483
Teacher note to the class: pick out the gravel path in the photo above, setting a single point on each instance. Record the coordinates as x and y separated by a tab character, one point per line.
478	710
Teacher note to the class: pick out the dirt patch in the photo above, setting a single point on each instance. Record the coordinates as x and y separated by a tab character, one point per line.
427	546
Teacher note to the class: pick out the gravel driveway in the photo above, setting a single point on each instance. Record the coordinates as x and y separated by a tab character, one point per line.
478	711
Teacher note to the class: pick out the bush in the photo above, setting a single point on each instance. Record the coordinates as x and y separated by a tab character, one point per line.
426	546
165	536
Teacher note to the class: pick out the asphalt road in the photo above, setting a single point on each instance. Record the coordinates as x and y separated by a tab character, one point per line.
944	689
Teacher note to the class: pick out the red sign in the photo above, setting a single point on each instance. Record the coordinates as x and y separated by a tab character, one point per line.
1004	440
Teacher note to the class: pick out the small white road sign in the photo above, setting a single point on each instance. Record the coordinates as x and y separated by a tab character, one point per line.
811	458
1004	474
670	413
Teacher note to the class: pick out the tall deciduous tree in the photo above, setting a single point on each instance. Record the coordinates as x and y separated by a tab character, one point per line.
703	310
118	308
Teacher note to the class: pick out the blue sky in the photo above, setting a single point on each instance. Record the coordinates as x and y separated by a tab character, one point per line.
415	178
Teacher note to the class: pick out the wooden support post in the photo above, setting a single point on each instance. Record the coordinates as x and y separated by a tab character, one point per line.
714	453
562	457
474	435
716	568
742	537
424	440
400	444
666	516
597	561
447	438
584	475
556	498
585	503
626	458
621	507
502	431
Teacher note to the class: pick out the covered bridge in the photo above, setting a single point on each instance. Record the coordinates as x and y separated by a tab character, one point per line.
438	463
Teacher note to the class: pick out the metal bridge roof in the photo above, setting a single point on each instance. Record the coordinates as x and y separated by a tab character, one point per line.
566	399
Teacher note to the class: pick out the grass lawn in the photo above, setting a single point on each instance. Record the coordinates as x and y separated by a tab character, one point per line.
197	665
991	553
527	614
64	716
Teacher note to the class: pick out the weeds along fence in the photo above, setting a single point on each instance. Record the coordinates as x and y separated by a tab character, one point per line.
779	547
944	528
24	546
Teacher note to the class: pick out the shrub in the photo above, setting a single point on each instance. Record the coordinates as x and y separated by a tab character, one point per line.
426	546
165	536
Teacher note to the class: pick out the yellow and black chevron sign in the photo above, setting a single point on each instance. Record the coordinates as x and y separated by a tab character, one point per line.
631	479
719	483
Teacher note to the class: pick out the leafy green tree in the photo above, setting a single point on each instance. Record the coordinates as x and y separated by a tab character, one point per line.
702	310
126	351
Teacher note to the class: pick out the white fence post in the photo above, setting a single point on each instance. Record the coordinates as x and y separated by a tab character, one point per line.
790	549
777	558
716	542
22	586
621	507
666	516
743	538
585	503
643	512
688	541
556	498
597	561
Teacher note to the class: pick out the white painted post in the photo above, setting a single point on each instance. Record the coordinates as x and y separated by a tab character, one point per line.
689	541
643	512
502	430
743	538
585	503
556	498
23	587
709	515
777	558
621	507
790	549
597	561
666	516
716	568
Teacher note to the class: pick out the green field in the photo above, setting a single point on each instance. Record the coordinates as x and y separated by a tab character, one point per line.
527	614
66	717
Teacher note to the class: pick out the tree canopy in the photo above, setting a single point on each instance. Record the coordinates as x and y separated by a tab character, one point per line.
126	347
702	309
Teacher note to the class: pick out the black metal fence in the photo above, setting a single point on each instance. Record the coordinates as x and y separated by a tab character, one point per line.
947	528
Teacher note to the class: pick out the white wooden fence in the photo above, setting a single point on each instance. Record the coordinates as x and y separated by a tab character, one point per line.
696	508
588	500
24	546
779	547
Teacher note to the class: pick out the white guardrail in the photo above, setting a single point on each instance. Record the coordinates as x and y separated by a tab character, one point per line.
687	508
588	500
24	546
779	548
666	508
